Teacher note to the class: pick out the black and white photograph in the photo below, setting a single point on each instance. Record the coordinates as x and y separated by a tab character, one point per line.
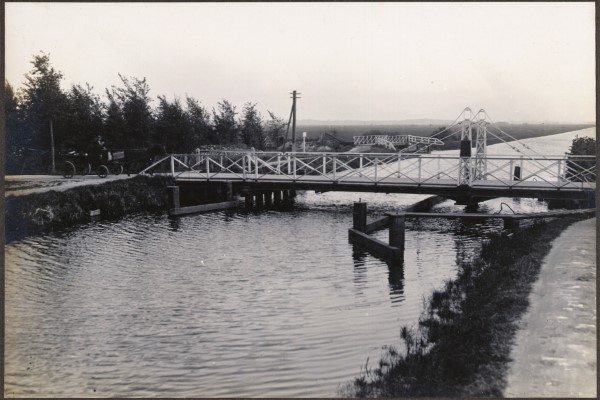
299	199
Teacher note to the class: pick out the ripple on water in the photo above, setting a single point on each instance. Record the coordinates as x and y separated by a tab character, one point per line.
271	304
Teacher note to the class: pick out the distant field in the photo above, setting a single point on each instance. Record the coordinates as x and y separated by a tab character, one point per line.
519	131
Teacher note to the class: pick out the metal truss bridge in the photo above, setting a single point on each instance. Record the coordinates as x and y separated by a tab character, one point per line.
391	141
471	174
550	177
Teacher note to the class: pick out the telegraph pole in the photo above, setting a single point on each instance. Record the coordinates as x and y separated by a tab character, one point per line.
52	147
294	97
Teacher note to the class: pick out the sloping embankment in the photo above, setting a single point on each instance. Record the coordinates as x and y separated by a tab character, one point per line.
461	346
42	212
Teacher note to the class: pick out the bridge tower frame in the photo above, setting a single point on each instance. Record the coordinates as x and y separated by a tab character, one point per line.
480	149
466	135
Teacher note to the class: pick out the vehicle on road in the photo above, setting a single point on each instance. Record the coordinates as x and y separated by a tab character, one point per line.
101	163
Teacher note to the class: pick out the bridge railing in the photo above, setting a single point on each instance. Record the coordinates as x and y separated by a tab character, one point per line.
380	168
396	139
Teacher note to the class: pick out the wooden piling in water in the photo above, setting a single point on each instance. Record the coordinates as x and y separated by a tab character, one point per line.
249	201
359	216
396	229
286	197
268	199
229	191
174	201
259	200
277	198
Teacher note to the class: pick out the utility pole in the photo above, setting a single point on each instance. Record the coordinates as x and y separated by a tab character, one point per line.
52	147
294	97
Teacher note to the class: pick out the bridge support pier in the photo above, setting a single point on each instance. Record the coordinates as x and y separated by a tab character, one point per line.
173	192
277	198
259	201
228	191
268	199
249	201
472	205
286	197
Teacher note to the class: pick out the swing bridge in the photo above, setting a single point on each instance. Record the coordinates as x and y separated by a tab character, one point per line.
470	175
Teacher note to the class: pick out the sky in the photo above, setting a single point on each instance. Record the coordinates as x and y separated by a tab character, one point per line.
522	62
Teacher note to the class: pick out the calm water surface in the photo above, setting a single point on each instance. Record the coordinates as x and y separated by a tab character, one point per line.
222	304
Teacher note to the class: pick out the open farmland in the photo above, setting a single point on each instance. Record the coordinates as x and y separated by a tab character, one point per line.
519	131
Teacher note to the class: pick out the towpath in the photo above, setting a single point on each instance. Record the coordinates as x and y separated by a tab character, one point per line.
20	185
555	350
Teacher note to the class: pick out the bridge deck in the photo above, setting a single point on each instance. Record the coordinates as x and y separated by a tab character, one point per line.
483	188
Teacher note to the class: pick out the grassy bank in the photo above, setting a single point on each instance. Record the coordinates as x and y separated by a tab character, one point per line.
461	345
42	212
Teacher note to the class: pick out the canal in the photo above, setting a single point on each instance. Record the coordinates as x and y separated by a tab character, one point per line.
275	304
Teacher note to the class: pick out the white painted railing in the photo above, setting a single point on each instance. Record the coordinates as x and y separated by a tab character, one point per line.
381	168
396	139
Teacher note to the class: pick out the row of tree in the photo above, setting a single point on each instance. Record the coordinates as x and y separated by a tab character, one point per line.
126	119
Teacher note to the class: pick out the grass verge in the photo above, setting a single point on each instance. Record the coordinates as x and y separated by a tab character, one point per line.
41	212
461	345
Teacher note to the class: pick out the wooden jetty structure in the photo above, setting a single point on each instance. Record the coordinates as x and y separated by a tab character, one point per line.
360	233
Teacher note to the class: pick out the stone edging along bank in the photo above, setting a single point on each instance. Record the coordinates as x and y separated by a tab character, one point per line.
42	212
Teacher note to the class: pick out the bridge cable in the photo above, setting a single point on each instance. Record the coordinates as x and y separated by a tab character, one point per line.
495	125
451	125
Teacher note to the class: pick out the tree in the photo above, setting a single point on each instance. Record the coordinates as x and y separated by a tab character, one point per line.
251	127
133	102
579	168
200	125
83	120
42	103
275	129
225	126
583	146
173	127
114	124
13	130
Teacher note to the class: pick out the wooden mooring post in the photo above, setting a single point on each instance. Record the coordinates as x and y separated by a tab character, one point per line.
359	216
394	251
396	229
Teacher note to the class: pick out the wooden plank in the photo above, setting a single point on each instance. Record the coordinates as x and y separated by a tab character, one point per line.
549	214
458	215
204	208
383	222
378	224
373	245
425	204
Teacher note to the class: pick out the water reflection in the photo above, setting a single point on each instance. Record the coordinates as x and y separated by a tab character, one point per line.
226	304
395	273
